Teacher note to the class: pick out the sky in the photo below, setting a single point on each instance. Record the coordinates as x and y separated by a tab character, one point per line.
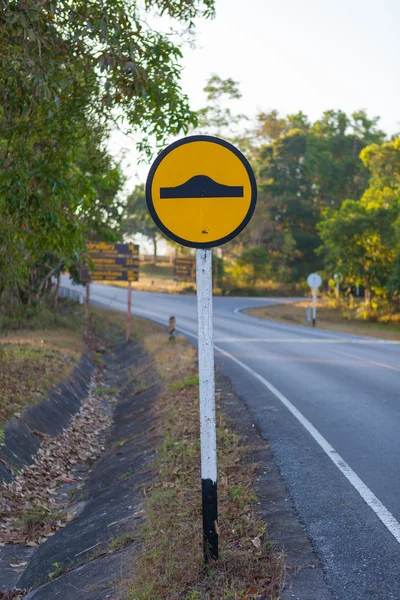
291	55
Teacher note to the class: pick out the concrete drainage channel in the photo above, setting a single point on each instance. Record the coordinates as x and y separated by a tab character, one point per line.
91	556
51	416
87	557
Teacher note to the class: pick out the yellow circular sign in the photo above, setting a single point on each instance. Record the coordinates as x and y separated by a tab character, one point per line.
201	191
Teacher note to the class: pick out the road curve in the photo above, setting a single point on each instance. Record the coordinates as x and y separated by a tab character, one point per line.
329	405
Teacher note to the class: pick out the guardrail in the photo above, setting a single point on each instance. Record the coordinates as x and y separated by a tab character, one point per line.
70	293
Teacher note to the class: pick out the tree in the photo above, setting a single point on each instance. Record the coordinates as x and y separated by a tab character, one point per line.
137	218
68	70
383	161
358	241
68	198
270	125
362	239
302	171
215	118
256	259
105	50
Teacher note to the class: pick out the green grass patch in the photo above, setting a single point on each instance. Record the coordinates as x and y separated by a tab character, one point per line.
34	516
103	390
189	381
59	570
120	542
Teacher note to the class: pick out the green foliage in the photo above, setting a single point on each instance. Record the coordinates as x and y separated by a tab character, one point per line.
303	169
33	516
257	261
362	237
67	70
103	51
270	126
120	542
137	218
189	381
103	390
215	118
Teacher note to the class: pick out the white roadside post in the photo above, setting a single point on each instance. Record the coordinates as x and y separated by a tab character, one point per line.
338	279
208	438
201	192
314	281
129	313
314	307
87	303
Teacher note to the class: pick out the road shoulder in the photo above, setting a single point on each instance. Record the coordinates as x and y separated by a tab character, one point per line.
304	574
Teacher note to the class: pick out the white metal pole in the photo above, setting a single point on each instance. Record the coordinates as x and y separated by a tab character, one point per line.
129	315
207	403
86	331
314	306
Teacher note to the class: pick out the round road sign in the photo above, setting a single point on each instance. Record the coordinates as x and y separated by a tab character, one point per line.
201	191
314	280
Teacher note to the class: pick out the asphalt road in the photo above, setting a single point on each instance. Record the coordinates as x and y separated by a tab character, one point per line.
329	405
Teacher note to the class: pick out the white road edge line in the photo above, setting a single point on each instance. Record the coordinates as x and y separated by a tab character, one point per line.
383	514
386	517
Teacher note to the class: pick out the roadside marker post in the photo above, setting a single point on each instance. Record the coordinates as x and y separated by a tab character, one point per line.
87	302
171	329
314	281
129	317
314	307
201	192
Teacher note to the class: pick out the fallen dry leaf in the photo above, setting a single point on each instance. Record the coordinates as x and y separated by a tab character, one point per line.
35	488
256	543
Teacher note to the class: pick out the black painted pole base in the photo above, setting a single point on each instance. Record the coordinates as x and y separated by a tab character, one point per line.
313	322
210	517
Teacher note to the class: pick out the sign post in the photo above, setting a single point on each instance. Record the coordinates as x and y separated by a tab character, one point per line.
201	193
129	318
208	438
314	281
185	269
87	301
110	261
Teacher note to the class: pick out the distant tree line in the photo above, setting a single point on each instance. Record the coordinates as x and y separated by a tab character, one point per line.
328	190
329	195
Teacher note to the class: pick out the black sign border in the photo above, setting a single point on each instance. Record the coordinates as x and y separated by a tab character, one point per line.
189	140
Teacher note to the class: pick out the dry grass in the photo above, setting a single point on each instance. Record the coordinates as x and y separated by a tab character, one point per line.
44	351
158	278
154	284
171	565
38	349
328	317
28	371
